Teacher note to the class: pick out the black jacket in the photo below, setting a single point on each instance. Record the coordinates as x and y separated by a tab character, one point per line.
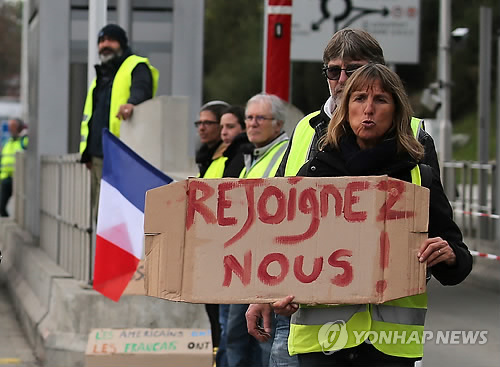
205	156
333	163
320	124
234	154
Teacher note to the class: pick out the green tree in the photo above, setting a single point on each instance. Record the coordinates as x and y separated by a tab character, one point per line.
464	57
233	56
233	50
10	44
465	60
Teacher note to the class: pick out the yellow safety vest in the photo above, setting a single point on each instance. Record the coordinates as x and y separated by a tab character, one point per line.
267	165
302	138
300	144
24	141
8	162
403	316
216	168
120	94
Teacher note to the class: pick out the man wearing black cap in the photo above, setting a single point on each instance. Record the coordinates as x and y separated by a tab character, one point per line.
123	80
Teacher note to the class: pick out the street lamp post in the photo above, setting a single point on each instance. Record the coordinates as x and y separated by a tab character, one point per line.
97	20
497	166
124	16
484	101
444	78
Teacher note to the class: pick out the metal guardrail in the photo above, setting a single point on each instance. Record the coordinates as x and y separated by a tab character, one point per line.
473	199
65	224
19	190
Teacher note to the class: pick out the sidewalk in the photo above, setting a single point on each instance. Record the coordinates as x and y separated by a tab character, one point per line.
14	349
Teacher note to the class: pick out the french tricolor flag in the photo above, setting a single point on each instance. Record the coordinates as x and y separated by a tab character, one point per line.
120	223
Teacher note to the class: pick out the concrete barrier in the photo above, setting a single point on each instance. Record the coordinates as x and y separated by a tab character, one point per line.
57	312
159	132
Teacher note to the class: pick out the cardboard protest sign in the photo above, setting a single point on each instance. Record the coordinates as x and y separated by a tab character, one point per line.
324	240
136	284
149	348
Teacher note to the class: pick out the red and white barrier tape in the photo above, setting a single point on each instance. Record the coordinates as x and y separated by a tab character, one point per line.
477	214
482	254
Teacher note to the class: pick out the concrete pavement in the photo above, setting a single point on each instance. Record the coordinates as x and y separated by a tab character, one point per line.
48	302
14	348
468	307
57	314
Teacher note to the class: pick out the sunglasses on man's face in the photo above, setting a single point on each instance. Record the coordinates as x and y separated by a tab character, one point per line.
333	72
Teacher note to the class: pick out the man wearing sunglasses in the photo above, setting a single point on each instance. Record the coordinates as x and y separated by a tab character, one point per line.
347	50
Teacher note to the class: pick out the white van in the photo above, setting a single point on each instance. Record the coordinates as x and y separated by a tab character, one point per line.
9	108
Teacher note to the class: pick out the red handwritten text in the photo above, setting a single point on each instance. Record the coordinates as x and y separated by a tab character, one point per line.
274	205
244	272
196	204
231	265
395	189
341	280
267	278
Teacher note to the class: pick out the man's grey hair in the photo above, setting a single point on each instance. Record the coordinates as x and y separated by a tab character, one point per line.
278	107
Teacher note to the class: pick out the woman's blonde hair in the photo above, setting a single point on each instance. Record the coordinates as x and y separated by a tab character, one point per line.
390	82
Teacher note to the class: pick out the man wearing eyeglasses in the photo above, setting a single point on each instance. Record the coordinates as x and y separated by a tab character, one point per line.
346	51
208	127
264	119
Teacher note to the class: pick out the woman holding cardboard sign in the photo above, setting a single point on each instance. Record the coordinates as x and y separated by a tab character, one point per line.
370	134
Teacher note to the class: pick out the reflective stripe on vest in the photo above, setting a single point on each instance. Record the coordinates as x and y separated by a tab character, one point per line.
398	315
320	316
401	319
305	338
120	93
8	161
300	145
404	317
267	165
216	168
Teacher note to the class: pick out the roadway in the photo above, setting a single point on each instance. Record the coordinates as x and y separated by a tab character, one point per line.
466	307
14	348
